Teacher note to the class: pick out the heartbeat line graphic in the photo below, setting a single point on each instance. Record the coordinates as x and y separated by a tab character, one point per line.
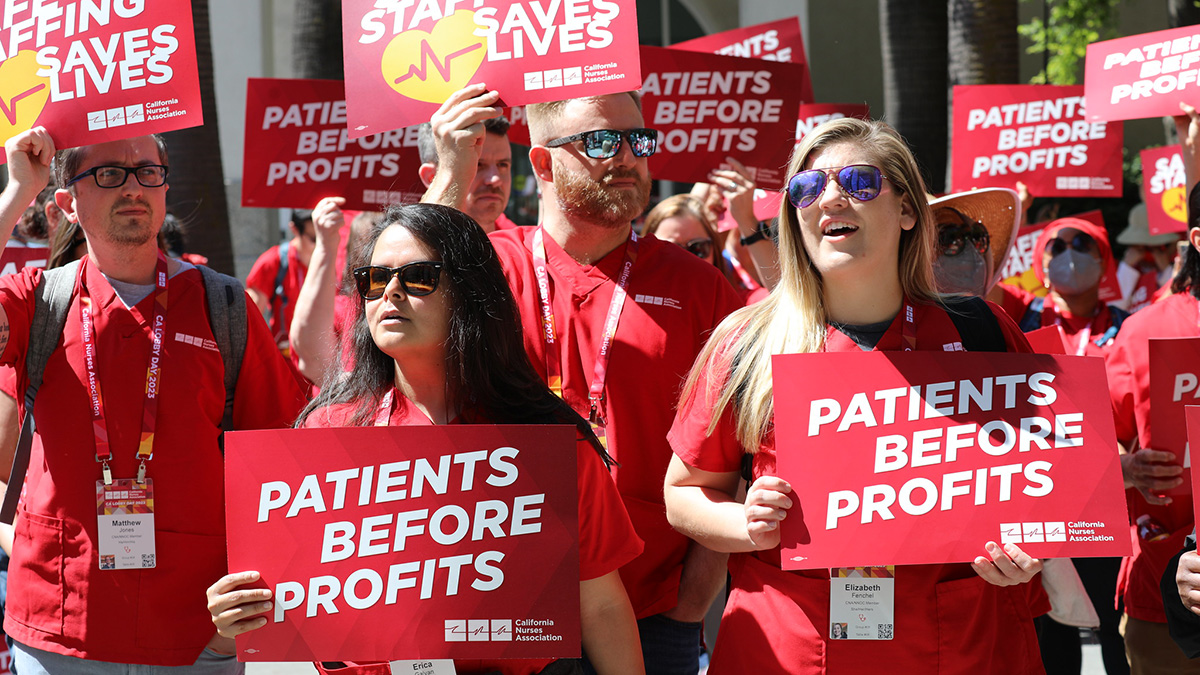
428	55
11	113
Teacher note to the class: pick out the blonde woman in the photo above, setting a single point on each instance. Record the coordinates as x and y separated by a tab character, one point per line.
855	247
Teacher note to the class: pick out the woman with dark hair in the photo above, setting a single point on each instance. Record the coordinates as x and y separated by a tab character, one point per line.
437	340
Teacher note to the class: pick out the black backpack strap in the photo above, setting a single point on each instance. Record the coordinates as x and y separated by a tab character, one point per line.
1032	319
52	299
280	277
227	318
1118	318
977	327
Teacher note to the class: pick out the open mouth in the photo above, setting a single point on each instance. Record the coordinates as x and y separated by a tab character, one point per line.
838	229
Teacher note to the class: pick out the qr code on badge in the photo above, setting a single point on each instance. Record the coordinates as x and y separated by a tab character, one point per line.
885	631
147	560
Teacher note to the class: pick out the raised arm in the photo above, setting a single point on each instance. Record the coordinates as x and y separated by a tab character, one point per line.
311	334
458	136
738	187
29	155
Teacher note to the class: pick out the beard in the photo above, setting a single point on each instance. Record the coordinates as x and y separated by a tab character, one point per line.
130	231
596	201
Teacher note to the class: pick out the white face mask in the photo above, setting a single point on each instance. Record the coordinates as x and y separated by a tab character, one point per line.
963	273
1073	272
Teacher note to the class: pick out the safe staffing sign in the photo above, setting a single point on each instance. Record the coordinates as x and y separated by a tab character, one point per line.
92	72
1164	186
404	59
425	542
908	458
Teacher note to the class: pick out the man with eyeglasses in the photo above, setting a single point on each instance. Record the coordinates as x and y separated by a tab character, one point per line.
613	322
89	591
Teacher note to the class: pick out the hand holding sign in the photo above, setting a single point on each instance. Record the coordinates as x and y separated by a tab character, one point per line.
1187	579
1187	128
1009	566
458	134
29	154
1152	472
235	608
767	503
737	185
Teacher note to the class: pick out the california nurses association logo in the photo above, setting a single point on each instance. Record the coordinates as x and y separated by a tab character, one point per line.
429	66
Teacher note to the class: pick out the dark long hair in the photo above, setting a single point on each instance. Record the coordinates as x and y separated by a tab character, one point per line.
487	369
1188	277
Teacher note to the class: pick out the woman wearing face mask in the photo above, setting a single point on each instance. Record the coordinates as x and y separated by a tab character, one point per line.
975	232
1071	257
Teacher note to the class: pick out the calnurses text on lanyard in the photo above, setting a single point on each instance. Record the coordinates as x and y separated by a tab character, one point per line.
862	600
553	356
125	507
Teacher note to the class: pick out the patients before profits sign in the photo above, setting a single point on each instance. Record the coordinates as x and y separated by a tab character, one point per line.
813	115
97	70
707	107
923	457
1036	134
404	58
408	542
780	40
1174	384
303	151
1143	75
1164	189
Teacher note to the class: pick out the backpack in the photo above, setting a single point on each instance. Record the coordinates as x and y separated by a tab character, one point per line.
52	298
280	277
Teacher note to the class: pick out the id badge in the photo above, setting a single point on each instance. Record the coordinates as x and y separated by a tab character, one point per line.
862	603
125	511
434	667
598	429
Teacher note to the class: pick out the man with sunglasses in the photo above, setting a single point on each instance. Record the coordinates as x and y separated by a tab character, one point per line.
137	329
614	322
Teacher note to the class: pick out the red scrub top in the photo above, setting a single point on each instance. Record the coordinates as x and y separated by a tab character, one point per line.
948	619
675	300
58	598
1016	303
607	539
1128	364
262	279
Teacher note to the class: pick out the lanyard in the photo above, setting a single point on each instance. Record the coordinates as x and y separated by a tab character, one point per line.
909	330
153	372
553	356
747	281
384	416
1084	335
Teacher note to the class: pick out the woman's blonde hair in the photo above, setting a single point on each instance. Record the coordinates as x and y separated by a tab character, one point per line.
793	318
682	205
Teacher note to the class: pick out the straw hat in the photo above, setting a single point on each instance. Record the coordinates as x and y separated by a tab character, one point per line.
998	209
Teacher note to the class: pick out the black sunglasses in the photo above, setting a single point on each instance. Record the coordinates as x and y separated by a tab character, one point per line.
1080	242
701	247
860	181
606	143
147	175
416	278
953	238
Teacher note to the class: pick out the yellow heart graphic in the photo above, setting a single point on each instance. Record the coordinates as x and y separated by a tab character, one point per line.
23	94
429	66
1174	202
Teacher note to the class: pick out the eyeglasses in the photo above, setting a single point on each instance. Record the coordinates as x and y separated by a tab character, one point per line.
701	247
606	143
860	181
416	279
1080	242
147	175
953	238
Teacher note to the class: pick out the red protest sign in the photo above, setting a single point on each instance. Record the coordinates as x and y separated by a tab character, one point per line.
766	207
303	151
1048	340
1164	186
403	62
1174	374
1036	134
1143	75
812	115
973	447
711	106
1192	415
17	258
398	542
97	71
780	40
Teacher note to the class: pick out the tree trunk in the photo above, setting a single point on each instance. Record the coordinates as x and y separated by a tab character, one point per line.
197	192
317	40
982	46
1183	13
913	35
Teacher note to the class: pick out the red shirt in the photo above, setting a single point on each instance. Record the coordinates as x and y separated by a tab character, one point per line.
948	619
675	300
1128	364
59	600
503	223
606	536
262	279
1016	303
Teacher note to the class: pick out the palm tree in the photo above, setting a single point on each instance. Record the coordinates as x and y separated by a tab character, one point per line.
913	35
317	40
197	194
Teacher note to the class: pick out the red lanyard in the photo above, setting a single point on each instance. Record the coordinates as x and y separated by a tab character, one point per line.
748	282
553	355
153	372
383	417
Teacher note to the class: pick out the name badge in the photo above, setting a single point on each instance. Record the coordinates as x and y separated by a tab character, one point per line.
862	603
435	667
125	511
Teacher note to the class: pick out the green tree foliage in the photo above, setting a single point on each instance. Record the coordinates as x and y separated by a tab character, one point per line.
1071	25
